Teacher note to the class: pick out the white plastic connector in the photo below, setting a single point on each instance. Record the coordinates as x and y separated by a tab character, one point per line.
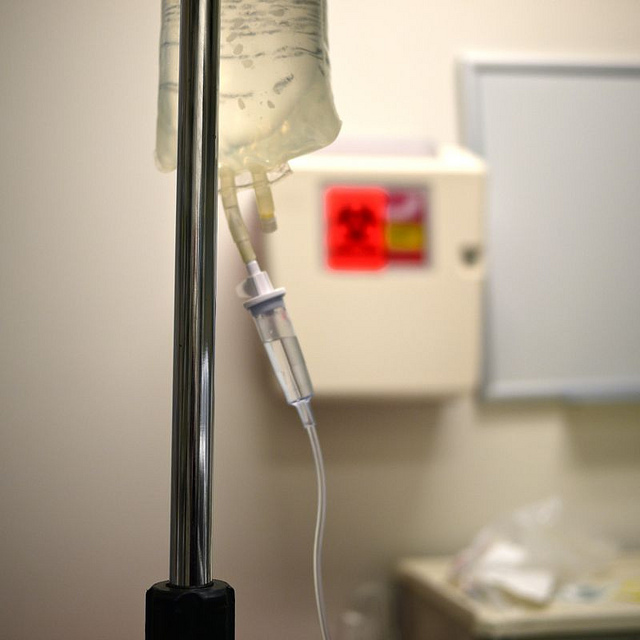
257	287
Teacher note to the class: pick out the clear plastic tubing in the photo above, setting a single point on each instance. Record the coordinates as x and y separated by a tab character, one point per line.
319	532
278	336
275	98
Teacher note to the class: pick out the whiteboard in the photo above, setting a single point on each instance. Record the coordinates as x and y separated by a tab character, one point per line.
562	304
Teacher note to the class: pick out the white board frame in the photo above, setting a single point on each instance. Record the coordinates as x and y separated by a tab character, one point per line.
473	70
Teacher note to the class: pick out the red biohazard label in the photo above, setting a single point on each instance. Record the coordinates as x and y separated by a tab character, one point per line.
356	225
371	227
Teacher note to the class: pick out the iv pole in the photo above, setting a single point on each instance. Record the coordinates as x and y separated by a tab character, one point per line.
192	605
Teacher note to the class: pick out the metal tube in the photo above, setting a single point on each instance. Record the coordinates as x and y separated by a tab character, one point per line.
195	276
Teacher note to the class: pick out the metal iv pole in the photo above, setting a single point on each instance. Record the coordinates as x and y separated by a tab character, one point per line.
192	605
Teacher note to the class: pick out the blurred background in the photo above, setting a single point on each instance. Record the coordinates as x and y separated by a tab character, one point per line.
86	313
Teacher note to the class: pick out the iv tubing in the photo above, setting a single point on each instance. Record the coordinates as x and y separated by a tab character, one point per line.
319	532
263	291
237	226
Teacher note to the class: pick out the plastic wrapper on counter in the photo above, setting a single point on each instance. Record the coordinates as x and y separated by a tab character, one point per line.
527	556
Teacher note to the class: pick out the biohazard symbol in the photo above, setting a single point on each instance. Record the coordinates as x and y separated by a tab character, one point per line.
357	221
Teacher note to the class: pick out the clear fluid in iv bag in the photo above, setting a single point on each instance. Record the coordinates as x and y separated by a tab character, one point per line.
167	123
275	96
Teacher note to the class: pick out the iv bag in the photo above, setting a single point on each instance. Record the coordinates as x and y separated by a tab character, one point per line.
275	100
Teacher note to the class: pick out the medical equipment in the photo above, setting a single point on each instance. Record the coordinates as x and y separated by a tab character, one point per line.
275	99
191	604
276	332
393	237
275	103
266	305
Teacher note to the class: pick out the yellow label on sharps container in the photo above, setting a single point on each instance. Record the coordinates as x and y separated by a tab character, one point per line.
405	236
406	230
629	590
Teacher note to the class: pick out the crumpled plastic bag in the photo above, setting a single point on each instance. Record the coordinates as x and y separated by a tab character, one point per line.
526	556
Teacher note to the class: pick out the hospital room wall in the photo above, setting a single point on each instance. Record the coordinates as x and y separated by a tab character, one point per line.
86	275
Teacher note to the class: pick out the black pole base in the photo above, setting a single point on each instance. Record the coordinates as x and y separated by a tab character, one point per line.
203	613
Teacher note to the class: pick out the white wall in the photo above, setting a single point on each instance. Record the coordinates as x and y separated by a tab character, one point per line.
86	233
